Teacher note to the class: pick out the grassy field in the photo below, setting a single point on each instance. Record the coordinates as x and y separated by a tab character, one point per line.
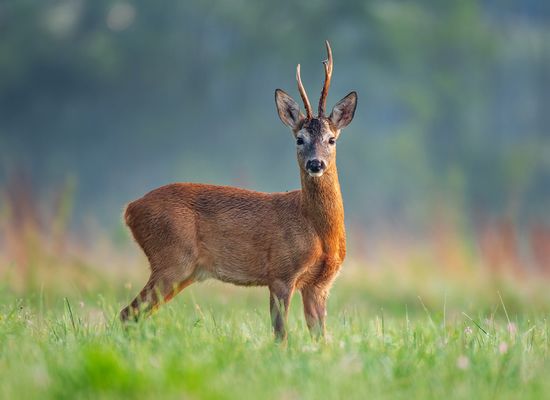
391	336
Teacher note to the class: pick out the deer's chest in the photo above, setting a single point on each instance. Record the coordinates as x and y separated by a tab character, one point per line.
323	267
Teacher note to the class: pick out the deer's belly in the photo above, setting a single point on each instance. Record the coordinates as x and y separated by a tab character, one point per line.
236	269
252	262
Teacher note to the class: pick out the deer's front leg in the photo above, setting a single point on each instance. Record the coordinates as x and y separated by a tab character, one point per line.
315	309
280	295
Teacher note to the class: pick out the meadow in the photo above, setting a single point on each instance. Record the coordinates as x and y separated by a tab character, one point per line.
393	333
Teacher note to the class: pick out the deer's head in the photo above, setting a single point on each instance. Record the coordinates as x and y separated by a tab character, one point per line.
316	135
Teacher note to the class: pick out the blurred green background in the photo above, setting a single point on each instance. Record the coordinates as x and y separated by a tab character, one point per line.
102	101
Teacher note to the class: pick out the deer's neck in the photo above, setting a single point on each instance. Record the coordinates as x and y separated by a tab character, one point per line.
322	205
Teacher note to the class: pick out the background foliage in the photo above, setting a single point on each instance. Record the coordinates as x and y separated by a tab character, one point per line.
125	96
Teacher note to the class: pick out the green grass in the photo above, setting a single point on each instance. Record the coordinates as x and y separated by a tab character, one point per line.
215	342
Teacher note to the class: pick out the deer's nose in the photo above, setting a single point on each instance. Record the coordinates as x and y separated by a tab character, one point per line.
315	166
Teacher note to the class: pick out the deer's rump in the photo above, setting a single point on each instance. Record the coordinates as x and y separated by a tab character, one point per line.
234	235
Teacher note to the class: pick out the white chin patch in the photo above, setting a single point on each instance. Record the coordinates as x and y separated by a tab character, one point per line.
315	174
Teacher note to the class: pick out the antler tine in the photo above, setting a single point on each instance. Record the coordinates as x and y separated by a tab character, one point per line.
303	93
328	75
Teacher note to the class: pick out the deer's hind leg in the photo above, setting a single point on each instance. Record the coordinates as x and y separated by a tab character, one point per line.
171	272
168	239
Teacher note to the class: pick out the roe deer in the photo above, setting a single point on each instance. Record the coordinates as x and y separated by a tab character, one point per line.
285	241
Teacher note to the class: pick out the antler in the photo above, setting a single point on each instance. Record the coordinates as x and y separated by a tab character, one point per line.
328	65
303	93
328	75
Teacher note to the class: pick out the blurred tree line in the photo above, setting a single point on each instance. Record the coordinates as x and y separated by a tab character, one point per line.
454	100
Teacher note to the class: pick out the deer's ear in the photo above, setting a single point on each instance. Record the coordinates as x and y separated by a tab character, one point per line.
343	111
288	110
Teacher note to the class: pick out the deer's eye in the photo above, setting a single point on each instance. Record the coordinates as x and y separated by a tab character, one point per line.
299	141
332	140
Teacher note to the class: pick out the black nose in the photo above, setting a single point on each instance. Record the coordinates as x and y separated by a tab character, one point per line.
315	165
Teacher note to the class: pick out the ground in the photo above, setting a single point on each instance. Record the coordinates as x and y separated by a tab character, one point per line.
387	339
